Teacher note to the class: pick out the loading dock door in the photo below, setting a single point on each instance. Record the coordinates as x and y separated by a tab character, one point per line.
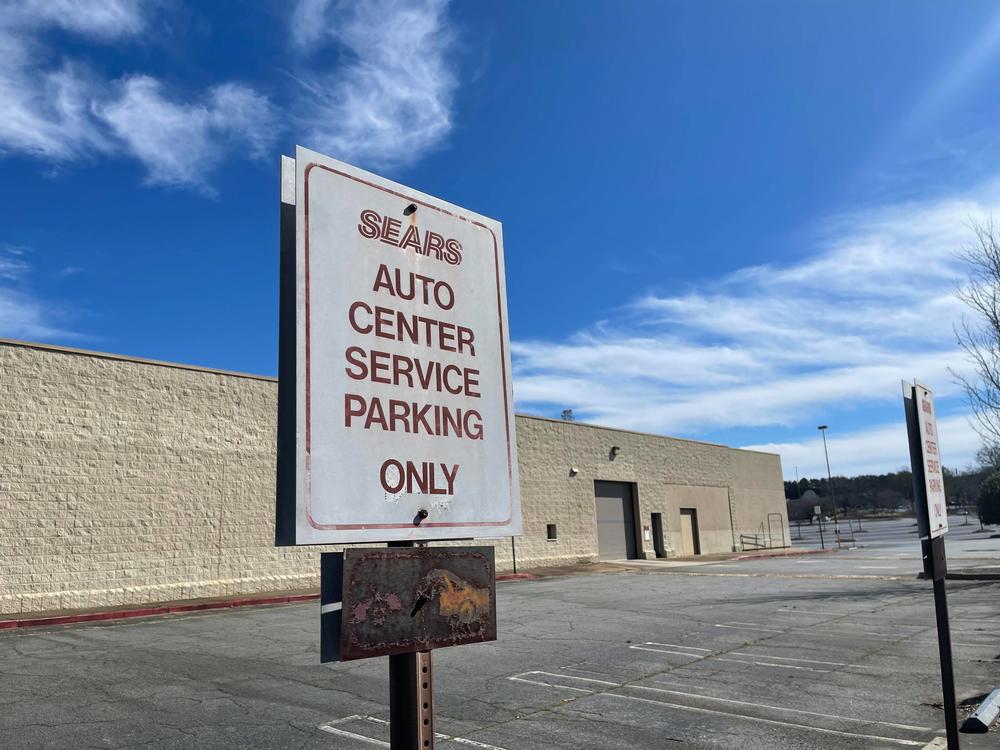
615	521
690	544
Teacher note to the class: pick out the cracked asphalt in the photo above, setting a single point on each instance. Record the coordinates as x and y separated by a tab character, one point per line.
638	659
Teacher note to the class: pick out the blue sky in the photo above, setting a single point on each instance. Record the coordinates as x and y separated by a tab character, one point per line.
723	220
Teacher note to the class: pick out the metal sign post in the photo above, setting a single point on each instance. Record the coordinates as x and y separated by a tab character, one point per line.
402	602
395	419
411	701
932	523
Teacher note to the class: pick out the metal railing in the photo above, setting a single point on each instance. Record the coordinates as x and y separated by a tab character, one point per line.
771	538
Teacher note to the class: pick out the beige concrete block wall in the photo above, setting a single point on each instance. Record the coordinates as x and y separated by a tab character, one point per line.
712	506
127	482
668	474
759	491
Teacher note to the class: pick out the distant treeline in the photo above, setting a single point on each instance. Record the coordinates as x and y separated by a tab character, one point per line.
873	493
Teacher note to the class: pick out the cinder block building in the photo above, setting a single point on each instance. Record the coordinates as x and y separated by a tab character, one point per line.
127	481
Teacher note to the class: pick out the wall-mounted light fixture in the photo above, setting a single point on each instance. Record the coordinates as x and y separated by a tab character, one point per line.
615	450
573	471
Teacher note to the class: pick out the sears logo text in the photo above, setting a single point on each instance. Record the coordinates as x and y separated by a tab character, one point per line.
374	226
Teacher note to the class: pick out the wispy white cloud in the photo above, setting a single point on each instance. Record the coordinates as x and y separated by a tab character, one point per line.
181	143
57	109
309	24
99	18
22	314
46	110
13	262
872	302
874	450
391	101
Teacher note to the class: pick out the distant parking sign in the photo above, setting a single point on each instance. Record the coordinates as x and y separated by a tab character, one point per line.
925	460
937	509
400	425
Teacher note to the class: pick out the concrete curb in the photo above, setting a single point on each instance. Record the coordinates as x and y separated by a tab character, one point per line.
178	609
983	717
152	611
784	554
959	575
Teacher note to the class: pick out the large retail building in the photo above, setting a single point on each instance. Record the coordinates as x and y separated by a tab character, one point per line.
126	481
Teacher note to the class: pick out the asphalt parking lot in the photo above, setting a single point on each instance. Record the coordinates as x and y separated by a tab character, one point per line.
766	654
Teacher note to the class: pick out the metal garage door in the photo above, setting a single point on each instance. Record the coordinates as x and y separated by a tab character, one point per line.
615	521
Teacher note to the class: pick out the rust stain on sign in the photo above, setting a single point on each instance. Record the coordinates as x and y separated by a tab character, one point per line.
456	597
400	600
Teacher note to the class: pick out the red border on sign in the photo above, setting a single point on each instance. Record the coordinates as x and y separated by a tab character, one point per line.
503	366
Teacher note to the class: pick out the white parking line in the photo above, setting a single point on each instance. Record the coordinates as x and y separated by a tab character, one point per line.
696	709
746	626
665	651
855	735
789	658
549	684
775	666
799	711
649	646
329	728
850	634
708	655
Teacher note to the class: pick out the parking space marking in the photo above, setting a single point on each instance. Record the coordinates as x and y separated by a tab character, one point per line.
747	626
789	658
725	656
597	692
798	711
929	623
331	729
866	635
648	646
519	678
775	666
822	730
677	645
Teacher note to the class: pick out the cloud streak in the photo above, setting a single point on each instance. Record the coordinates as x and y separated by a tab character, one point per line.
22	314
181	143
872	451
60	111
391	102
377	81
871	303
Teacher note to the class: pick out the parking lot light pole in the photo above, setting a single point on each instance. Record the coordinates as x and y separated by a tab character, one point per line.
829	478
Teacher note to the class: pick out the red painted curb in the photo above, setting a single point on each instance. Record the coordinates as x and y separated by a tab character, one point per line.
171	609
176	609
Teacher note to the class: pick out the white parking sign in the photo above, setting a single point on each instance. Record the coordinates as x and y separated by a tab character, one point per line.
403	403
937	509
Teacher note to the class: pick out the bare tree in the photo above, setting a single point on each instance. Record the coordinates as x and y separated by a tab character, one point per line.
979	335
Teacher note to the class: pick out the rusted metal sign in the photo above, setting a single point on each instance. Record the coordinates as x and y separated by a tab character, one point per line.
404	600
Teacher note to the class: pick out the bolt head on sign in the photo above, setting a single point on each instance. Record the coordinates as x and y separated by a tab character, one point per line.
403	418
